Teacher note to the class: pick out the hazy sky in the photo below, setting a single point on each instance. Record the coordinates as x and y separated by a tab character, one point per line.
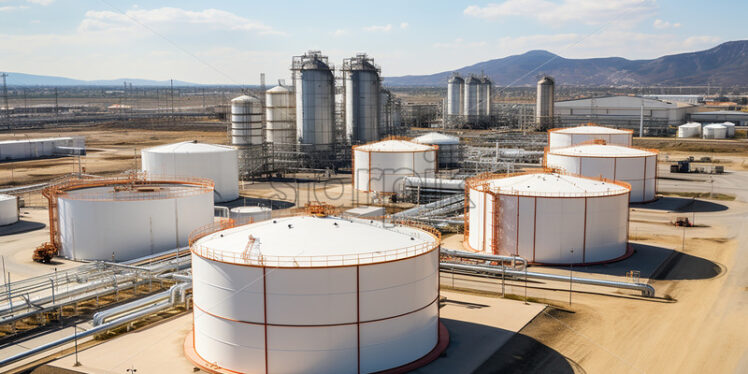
233	41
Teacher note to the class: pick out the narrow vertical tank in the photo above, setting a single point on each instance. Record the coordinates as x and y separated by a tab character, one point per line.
487	85
455	95
280	113
385	111
471	96
246	121
362	112
315	99
545	98
481	97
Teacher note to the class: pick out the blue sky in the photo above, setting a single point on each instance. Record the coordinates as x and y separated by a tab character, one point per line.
233	41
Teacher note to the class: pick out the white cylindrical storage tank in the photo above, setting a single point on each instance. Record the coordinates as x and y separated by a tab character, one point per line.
545	97
714	131
730	129
568	136
305	294
383	166
471	96
255	213
547	218
280	113
454	95
637	167
449	147
119	219
246	121
192	159
8	209
361	99
689	130
315	99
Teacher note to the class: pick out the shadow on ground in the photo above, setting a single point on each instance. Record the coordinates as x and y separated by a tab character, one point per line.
20	227
476	348
254	201
656	263
682	205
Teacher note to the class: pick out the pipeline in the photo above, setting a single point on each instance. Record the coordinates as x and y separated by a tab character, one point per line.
415	211
645	289
514	260
175	294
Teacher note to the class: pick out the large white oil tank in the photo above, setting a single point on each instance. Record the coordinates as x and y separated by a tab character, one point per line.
280	113
246	121
383	166
547	218
568	136
455	91
471	100
8	209
122	218
255	213
635	166
449	147
714	131
306	294
362	109
689	130
315	99
193	159
545	98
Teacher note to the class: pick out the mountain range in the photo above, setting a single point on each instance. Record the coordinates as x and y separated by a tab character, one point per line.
723	65
21	79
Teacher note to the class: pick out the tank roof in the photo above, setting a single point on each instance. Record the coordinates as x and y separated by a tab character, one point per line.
190	147
690	124
150	191
4	197
546	80
592	129
436	138
455	78
307	241
279	89
472	80
554	184
394	145
245	99
715	126
601	150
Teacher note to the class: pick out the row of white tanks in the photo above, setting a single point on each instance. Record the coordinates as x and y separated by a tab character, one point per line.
304	113
469	96
709	131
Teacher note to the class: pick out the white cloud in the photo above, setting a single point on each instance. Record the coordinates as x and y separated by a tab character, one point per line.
375	28
591	12
660	24
131	20
404	25
41	2
339	33
10	8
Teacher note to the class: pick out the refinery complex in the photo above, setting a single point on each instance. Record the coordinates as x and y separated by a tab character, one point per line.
331	222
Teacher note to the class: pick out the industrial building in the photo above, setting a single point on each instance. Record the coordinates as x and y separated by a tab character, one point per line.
449	154
634	166
382	167
547	217
304	294
568	136
544	103
126	217
192	159
27	149
623	112
734	116
8	209
362	99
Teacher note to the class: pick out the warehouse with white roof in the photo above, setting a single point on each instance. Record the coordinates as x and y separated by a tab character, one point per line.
547	217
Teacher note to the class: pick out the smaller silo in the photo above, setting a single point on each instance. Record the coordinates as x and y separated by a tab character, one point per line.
689	130
449	147
250	213
280	113
383	166
714	131
455	95
488	93
192	159
568	136
246	121
544	102
362	109
472	85
8	209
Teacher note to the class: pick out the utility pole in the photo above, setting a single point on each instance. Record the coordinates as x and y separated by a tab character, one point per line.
5	99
